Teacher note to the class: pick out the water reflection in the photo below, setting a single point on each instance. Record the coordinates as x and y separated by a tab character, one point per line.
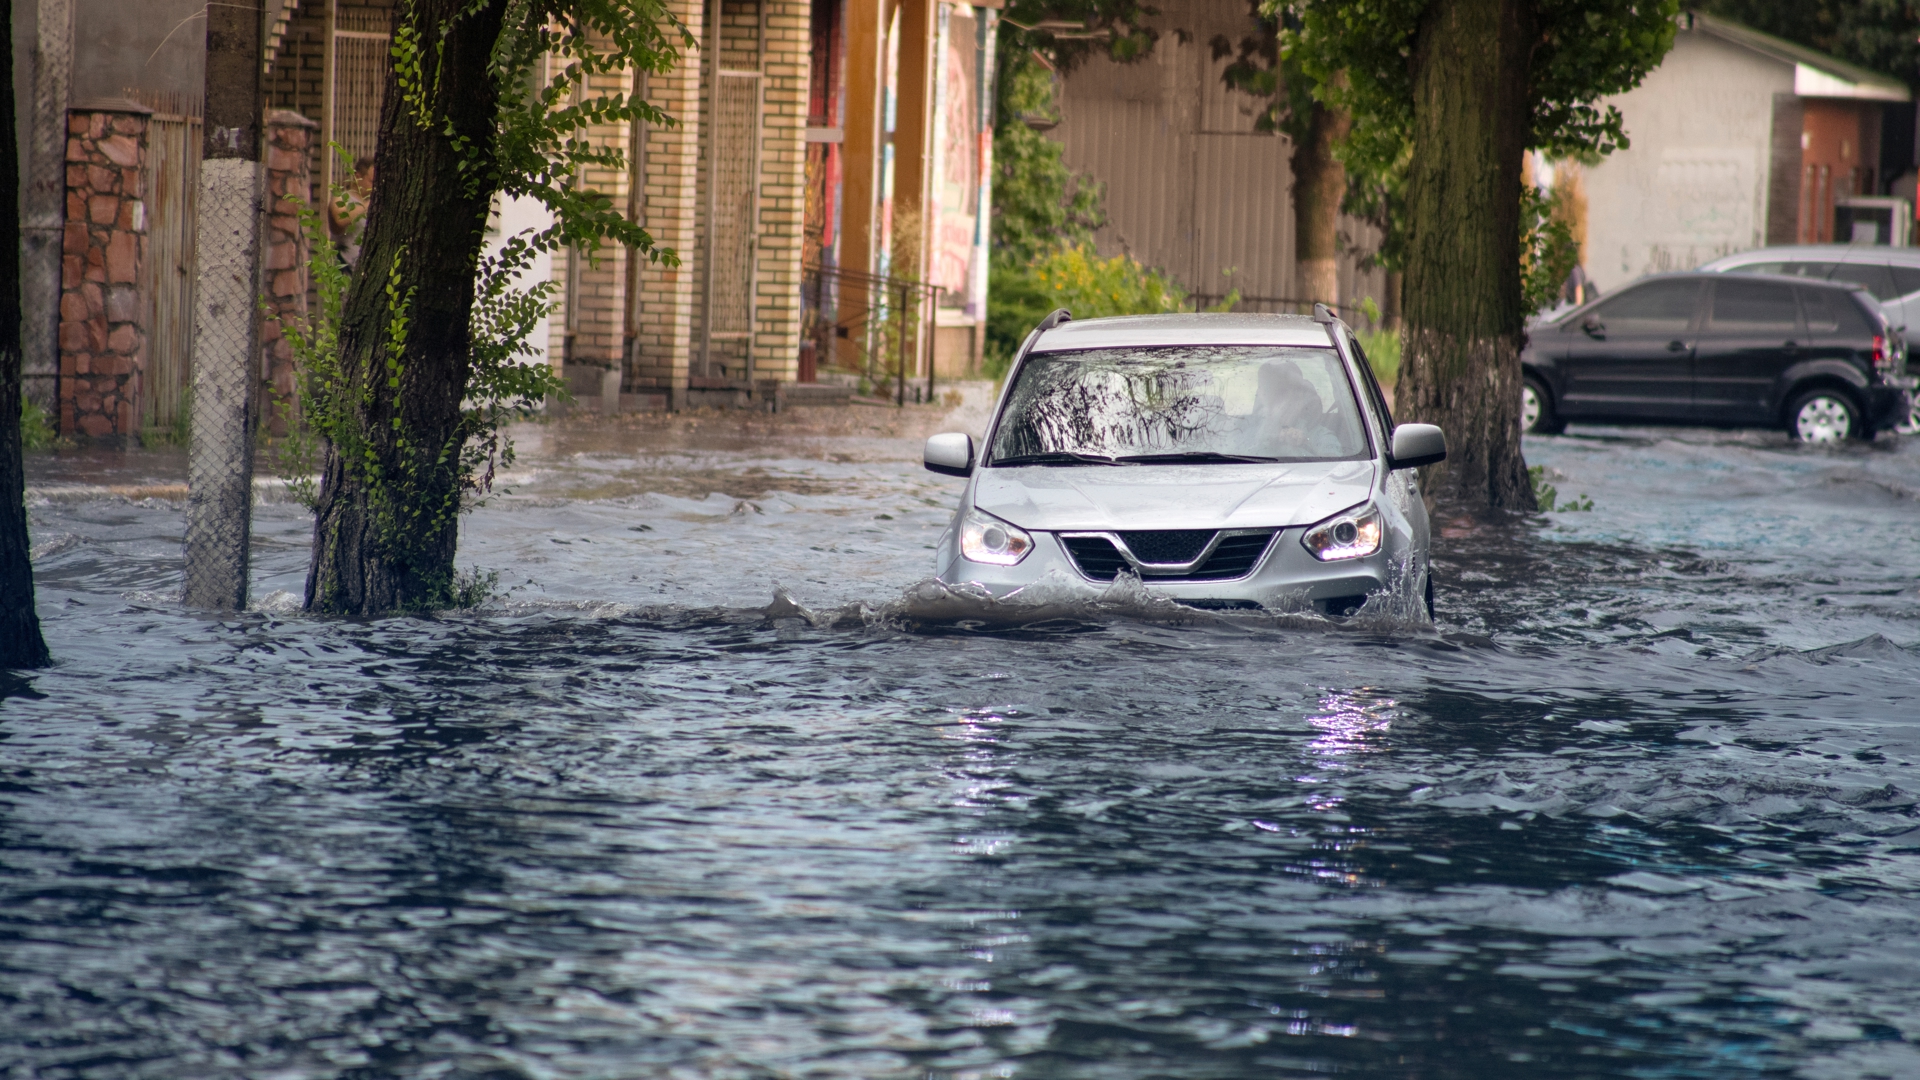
1351	722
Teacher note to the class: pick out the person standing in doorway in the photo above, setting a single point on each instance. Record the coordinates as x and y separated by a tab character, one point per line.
347	214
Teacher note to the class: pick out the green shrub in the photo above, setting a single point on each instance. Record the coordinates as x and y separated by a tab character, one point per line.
1383	354
1038	202
1078	279
1547	495
36	433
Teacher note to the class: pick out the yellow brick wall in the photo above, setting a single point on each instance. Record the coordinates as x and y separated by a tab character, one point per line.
662	322
783	167
598	328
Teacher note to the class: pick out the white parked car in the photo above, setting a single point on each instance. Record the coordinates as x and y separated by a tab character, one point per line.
1890	274
1226	461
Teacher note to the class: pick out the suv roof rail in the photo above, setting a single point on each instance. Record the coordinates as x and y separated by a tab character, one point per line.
1055	318
1322	313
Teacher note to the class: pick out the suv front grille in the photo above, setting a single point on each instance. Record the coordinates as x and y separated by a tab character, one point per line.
1095	556
1168	545
1234	557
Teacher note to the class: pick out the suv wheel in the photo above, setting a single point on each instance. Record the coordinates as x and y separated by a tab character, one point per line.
1823	418
1536	409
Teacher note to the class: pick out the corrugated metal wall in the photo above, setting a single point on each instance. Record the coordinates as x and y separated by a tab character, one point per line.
1191	187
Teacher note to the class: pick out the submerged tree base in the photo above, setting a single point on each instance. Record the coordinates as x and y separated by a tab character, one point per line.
1477	408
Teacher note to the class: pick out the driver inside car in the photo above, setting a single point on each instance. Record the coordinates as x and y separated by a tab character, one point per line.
1289	419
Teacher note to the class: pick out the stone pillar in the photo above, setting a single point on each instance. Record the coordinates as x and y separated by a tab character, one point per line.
289	170
663	337
103	346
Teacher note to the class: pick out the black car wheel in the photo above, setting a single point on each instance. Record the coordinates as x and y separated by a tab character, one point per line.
1536	409
1823	417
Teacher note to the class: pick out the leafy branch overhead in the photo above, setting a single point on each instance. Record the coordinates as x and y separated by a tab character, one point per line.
548	56
1070	31
1583	51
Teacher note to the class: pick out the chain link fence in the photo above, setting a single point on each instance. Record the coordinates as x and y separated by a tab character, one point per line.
225	349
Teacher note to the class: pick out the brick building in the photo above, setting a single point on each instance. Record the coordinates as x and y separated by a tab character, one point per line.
777	190
806	130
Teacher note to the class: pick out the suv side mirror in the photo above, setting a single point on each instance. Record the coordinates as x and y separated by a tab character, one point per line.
1415	445
950	454
1593	326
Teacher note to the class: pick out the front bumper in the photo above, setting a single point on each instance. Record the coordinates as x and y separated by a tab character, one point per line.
1892	404
1285	578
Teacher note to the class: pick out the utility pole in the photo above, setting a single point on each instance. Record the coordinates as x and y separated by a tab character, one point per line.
226	333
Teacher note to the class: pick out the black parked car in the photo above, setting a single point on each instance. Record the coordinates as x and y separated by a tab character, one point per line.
1817	358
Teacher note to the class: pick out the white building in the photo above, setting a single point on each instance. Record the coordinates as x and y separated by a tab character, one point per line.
1739	140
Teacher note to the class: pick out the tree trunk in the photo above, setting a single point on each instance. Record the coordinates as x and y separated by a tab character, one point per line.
387	522
1462	304
20	643
1319	184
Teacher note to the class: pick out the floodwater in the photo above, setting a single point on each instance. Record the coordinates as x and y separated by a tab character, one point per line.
1642	804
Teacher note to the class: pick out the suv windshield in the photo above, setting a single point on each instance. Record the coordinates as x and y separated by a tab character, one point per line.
1186	404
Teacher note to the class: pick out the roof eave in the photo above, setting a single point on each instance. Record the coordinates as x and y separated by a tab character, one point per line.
1815	74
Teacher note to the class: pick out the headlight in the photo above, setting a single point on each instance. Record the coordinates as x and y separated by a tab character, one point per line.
1346	535
986	539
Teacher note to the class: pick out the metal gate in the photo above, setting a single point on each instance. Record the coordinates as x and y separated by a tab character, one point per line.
733	191
166	279
358	48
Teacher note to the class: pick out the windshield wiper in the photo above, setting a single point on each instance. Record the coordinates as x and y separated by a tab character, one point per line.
1057	457
1197	457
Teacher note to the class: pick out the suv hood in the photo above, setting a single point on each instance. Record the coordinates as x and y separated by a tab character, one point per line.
1102	497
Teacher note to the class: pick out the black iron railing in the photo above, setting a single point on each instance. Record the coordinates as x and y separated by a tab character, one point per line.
889	320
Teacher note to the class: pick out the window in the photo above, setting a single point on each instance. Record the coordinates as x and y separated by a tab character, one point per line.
1753	307
1373	391
1658	307
1832	312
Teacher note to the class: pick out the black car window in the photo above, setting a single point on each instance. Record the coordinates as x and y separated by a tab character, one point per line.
1657	307
1753	307
1373	391
1835	313
1906	279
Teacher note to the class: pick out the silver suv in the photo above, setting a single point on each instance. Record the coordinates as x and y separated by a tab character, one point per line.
1221	461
